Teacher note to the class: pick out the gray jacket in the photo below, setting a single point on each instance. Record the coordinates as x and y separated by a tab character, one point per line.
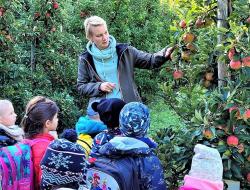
88	81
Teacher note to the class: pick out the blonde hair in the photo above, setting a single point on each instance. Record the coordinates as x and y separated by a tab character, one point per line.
3	104
92	22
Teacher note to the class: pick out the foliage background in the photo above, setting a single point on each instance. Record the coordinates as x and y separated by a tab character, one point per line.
39	48
39	53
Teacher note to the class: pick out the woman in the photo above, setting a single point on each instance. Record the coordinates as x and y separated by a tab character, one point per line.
106	68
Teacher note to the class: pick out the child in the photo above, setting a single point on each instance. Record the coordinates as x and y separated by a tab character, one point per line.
33	101
206	170
39	120
64	163
86	129
136	146
10	133
108	110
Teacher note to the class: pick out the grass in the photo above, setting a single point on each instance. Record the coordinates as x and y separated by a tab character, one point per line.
162	116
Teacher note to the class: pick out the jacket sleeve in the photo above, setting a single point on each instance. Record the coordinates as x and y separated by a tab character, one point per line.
85	84
145	60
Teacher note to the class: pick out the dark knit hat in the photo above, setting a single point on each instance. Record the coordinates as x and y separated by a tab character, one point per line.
109	110
69	134
64	163
135	120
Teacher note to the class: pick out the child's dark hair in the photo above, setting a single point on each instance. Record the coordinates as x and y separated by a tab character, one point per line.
36	115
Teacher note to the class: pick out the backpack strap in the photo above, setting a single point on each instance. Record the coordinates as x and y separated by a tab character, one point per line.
20	152
12	163
5	173
85	143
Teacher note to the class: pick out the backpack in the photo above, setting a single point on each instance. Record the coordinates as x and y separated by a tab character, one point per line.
16	166
97	179
112	174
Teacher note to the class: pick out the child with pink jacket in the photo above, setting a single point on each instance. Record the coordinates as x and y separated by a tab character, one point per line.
206	170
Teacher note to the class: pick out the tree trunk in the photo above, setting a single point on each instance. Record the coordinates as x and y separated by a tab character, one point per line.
222	14
32	57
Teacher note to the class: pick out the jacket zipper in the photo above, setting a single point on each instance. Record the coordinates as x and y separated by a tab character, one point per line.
118	73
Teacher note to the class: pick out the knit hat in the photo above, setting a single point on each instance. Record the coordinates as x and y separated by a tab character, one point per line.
134	120
206	170
85	125
206	163
69	134
109	110
63	163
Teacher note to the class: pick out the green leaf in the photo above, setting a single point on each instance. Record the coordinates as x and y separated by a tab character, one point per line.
206	123
236	170
221	148
227	174
198	115
219	47
229	105
238	157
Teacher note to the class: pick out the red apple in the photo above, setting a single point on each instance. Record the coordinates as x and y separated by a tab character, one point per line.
231	53
191	47
47	15
178	74
209	76
37	15
183	24
232	108
55	5
248	20
199	23
247	114
208	133
246	61
235	64
240	147
232	140
188	37
2	10
248	177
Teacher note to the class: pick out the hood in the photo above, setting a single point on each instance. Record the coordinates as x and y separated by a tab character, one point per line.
120	146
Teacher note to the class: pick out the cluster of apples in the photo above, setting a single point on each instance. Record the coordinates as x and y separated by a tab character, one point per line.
208	78
235	62
47	15
188	39
245	115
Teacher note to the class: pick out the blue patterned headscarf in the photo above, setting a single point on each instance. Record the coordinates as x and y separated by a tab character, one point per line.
134	120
